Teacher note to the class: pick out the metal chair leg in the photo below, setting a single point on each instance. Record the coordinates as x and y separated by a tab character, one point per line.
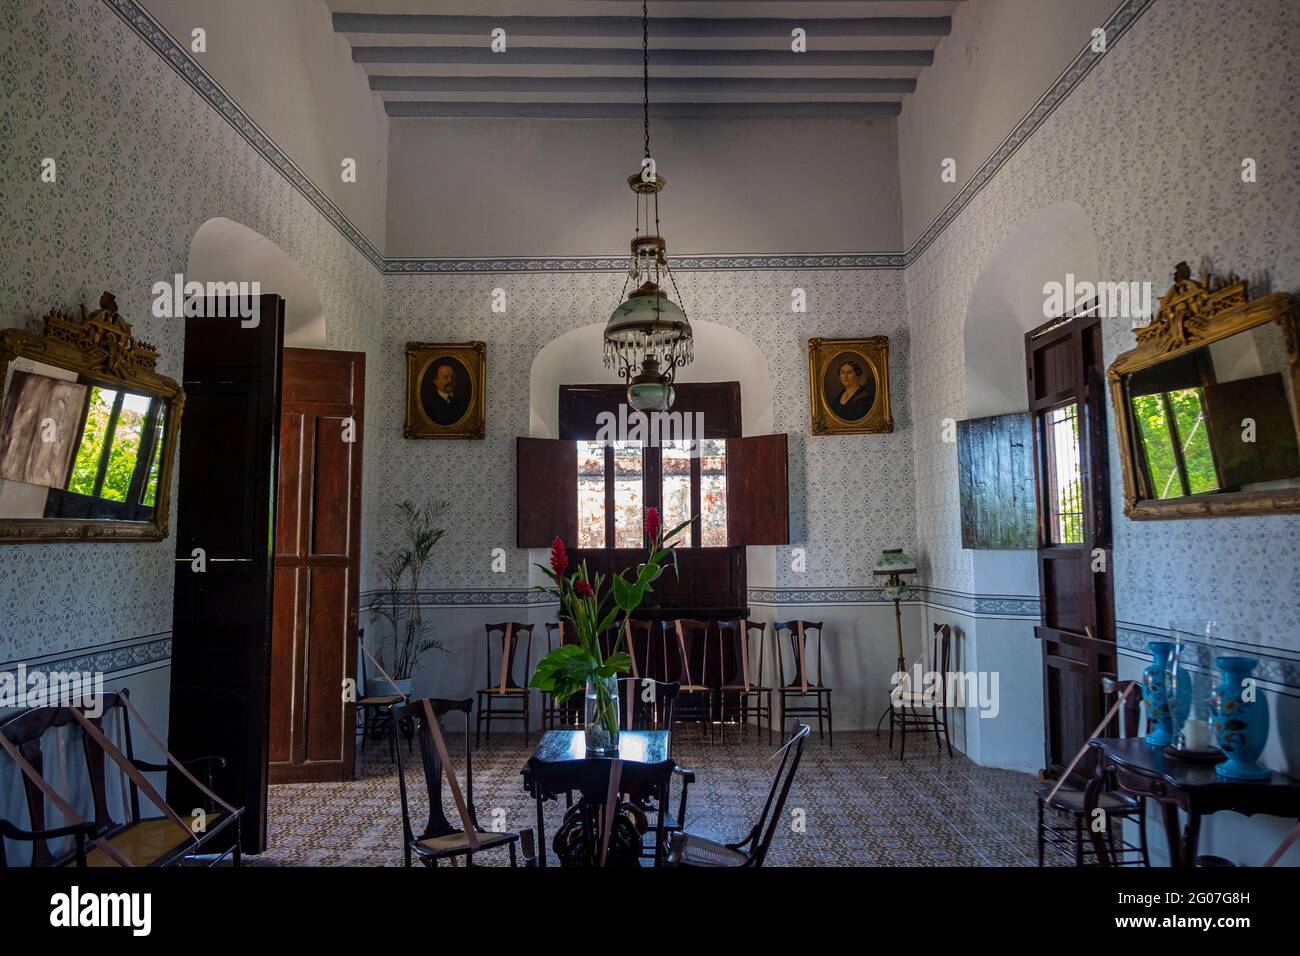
1040	832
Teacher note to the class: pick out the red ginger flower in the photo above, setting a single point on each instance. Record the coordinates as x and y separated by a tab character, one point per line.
582	588
559	558
652	523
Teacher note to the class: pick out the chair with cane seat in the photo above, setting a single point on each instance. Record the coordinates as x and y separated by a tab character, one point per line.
373	710
440	840
1067	800
567	713
924	709
805	683
687	849
741	679
211	831
691	650
501	684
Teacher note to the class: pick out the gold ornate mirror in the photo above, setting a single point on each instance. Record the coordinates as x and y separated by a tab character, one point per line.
1205	406
88	432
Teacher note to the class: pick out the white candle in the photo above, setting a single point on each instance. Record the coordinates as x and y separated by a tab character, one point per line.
1196	734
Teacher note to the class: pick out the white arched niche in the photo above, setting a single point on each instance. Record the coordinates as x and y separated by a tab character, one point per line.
1008	301
226	251
721	355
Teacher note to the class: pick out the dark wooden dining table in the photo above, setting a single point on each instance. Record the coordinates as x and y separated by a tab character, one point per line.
1145	770
560	766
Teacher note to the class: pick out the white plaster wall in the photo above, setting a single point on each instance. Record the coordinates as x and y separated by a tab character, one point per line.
999	59
485	187
293	75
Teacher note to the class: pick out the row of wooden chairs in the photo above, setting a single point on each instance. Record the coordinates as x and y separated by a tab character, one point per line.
711	661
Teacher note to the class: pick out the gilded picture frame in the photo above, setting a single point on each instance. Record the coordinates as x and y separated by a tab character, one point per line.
101	346
445	390
848	384
1193	314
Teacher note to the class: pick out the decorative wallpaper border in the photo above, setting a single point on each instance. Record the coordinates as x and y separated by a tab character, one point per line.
180	60
1276	665
847	260
986	605
107	659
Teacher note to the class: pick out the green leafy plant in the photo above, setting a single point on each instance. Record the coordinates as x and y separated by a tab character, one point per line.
401	568
592	606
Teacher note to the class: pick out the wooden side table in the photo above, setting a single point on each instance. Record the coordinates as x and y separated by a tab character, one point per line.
1145	771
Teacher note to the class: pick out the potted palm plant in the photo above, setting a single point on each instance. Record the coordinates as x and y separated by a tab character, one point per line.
591	606
397	602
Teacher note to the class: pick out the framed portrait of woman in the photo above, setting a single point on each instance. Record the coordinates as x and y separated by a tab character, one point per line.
849	386
444	390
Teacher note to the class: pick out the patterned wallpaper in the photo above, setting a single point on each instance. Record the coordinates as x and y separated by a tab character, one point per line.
1150	145
142	162
850	495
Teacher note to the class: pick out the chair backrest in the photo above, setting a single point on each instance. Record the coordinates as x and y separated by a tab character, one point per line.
736	652
1129	715
439	824
791	754
646	704
644	642
806	664
509	637
690	654
559	633
26	731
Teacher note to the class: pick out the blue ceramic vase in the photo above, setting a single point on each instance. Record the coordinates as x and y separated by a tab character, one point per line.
1240	724
1156	696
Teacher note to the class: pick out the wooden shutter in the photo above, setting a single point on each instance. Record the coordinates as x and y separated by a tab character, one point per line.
546	492
758	493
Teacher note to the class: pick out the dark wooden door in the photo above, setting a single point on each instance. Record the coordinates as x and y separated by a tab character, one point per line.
1066	377
221	628
317	566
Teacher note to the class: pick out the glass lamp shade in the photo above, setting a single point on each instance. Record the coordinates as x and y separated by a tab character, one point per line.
892	563
655	396
647	322
1189	684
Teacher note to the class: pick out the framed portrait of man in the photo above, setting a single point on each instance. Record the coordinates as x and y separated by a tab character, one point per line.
445	390
849	386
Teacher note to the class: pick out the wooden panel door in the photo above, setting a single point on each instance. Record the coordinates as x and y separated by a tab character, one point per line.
221	625
317	562
1066	379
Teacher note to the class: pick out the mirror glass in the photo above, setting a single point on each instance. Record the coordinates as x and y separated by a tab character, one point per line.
1217	419
75	447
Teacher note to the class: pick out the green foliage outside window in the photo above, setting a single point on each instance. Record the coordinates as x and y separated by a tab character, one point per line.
1189	429
86	466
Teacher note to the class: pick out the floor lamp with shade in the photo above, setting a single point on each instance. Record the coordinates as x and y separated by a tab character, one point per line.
892	564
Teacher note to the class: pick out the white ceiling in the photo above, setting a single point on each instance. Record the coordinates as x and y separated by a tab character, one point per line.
583	57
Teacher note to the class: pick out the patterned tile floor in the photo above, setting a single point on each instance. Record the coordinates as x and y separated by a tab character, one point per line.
861	806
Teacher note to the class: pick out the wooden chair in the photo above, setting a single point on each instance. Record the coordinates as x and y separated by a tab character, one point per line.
169	840
687	849
1068	799
567	713
440	840
646	704
501	684
605	829
914	709
740	677
806	677
691	650
644	643
374	711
